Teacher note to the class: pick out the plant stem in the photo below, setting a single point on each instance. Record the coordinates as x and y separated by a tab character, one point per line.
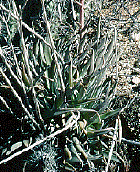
81	18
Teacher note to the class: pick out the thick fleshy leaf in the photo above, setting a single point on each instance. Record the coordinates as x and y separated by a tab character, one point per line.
16	146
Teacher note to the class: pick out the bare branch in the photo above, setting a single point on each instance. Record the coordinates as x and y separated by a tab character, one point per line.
38	143
53	46
19	99
25	25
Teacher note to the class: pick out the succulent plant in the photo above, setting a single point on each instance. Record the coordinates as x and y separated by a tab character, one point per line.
60	74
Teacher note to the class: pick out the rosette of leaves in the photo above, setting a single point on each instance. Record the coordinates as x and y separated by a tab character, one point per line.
59	78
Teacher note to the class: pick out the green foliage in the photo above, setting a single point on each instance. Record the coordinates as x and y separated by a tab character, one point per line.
57	78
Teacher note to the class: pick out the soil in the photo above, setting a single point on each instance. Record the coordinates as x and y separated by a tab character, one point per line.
125	16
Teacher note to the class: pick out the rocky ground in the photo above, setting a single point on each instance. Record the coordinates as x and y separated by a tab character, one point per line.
126	17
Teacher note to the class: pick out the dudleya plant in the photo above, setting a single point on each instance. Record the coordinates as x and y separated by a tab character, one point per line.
58	79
